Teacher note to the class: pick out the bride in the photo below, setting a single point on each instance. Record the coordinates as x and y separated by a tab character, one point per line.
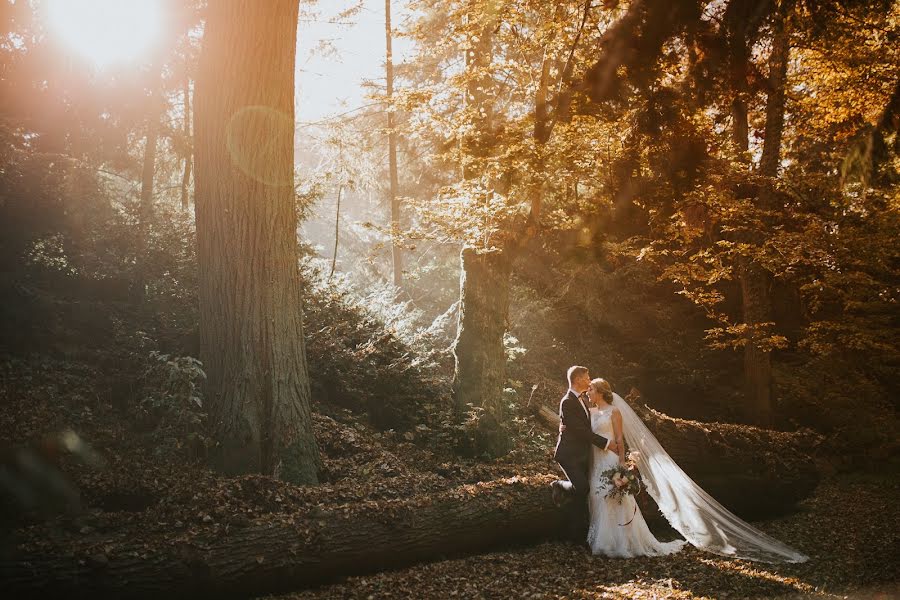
618	528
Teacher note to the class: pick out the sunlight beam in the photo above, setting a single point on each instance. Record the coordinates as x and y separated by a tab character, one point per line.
105	32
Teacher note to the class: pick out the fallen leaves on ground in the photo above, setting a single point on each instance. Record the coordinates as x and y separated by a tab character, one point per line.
848	527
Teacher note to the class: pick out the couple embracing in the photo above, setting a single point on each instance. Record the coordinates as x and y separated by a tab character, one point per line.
596	426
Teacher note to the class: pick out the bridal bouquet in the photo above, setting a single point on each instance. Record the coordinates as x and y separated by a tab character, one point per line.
623	480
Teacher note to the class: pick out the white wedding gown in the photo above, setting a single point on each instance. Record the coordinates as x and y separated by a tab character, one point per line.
696	515
608	534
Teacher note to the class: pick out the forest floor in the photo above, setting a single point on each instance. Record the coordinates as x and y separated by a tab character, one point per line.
152	490
849	529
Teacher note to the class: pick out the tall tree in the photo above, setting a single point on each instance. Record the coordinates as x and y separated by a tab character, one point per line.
250	309
392	147
515	91
755	281
188	154
157	107
480	358
337	207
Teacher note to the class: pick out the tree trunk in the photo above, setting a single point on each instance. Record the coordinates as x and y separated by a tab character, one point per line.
775	103
337	228
541	134
755	281
309	548
478	350
148	173
633	42
756	302
392	149
476	144
188	153
251	325
751	471
739	59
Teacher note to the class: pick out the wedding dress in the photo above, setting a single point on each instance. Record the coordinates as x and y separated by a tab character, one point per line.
696	515
617	528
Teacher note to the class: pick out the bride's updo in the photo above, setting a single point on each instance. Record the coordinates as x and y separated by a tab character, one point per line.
602	387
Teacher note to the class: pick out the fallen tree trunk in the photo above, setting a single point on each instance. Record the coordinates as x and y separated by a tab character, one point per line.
750	470
753	472
310	548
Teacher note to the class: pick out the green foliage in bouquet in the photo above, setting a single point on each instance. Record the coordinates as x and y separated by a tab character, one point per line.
622	480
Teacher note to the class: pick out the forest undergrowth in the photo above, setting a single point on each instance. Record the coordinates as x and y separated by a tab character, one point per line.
124	379
167	496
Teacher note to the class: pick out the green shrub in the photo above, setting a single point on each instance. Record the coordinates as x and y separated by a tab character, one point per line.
170	404
356	362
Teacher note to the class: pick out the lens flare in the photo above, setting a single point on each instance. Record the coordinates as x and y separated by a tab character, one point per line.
257	139
105	32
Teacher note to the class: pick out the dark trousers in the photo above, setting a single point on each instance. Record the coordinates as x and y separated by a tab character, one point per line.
577	517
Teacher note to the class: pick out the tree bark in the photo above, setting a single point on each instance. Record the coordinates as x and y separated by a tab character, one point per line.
310	548
775	103
541	133
251	325
755	280
337	228
479	354
392	150
484	284
757	311
188	153
148	173
478	350
736	24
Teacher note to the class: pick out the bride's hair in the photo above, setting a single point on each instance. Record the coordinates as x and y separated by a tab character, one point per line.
602	387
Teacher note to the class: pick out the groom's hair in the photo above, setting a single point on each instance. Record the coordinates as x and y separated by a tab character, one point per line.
575	371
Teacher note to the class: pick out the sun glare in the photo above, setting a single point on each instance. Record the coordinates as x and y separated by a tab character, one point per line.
106	32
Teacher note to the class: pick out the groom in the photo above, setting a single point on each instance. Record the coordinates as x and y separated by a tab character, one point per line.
573	450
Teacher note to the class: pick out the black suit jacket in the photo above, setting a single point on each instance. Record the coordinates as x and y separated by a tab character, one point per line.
574	444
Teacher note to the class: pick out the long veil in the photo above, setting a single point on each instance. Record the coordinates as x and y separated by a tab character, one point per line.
702	521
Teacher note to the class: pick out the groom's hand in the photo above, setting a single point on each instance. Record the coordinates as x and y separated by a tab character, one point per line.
613	447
